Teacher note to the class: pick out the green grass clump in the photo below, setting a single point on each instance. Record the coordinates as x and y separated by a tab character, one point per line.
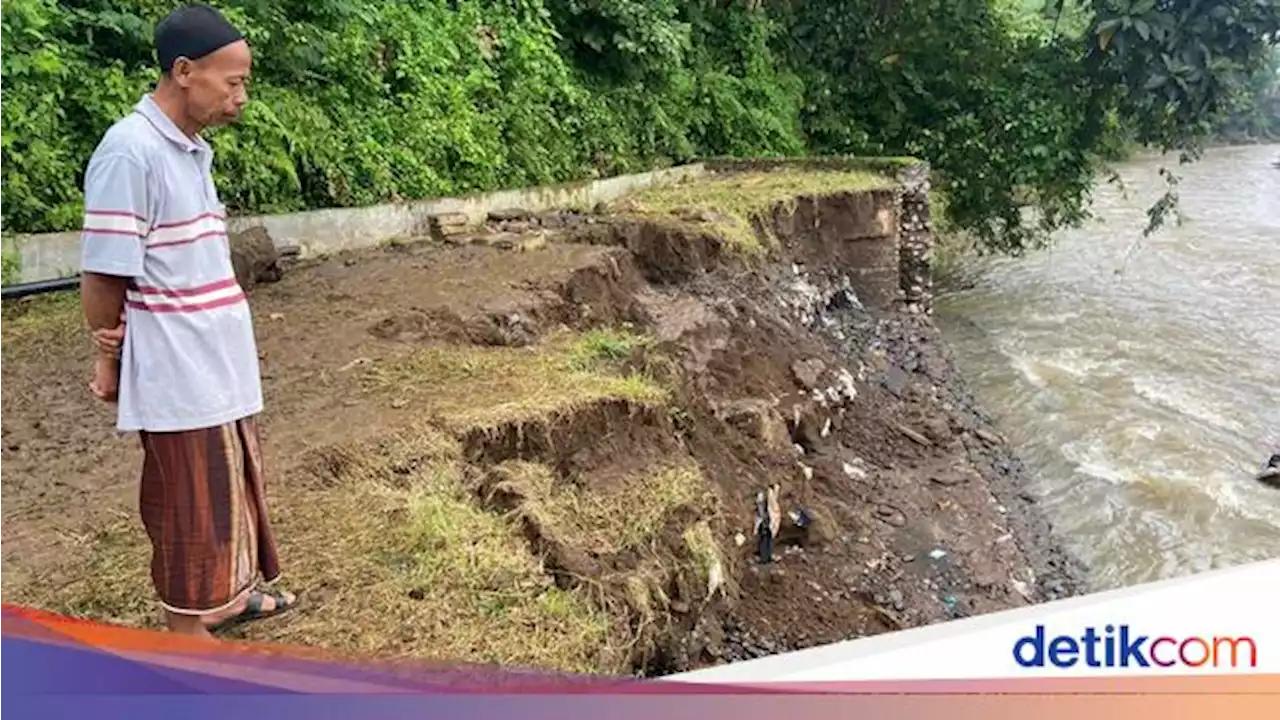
471	387
730	202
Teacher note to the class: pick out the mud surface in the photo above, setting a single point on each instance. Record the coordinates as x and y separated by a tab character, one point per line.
928	508
915	510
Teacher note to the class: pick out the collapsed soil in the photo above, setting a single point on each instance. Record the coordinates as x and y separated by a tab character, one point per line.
547	454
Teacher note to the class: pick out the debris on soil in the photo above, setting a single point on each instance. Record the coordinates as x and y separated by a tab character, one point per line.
558	462
254	257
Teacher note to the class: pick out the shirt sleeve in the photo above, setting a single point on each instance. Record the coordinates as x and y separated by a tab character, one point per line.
116	217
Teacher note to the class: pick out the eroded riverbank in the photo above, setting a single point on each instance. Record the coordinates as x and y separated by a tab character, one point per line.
541	444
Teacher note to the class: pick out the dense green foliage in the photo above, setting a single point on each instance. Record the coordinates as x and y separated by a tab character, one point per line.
1253	111
357	102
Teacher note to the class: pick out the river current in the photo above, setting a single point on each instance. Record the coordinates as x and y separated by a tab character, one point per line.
1139	378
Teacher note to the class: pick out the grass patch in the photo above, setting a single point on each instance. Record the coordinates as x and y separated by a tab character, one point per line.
589	350
625	523
43	319
104	576
628	514
732	200
394	556
390	555
478	387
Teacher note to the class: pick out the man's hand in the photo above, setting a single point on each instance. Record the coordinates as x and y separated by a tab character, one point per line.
109	340
105	384
102	297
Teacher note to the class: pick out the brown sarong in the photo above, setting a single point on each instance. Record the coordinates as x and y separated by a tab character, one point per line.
203	507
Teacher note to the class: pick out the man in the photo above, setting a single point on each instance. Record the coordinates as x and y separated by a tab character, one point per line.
183	366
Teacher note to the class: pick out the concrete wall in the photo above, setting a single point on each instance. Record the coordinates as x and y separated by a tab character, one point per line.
53	255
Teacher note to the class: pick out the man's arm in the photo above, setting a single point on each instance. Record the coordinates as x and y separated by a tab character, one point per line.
102	299
116	221
112	242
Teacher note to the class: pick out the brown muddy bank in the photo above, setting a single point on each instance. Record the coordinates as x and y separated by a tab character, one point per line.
540	442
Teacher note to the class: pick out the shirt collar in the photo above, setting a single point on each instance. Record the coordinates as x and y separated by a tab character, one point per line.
148	108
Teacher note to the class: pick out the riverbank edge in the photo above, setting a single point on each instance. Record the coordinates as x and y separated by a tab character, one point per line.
906	337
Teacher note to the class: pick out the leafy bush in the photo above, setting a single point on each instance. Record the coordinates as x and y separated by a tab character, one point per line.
357	102
11	269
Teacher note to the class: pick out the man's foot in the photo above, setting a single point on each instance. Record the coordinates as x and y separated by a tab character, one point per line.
257	605
191	626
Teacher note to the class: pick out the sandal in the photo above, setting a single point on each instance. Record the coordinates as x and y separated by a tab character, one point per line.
253	609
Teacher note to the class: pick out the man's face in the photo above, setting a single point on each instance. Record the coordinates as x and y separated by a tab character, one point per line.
216	84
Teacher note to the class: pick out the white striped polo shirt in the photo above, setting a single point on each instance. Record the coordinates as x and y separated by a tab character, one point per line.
152	214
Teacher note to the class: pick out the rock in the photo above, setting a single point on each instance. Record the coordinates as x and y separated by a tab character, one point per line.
758	419
509	214
937	429
895	380
808	372
821	529
679	607
502	241
537	242
1023	589
890	515
846	386
517	226
808	430
446	226
987	436
254	257
913	435
453	219
854	471
454	234
949	479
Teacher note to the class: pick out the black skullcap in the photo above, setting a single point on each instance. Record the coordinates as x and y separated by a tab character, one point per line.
192	32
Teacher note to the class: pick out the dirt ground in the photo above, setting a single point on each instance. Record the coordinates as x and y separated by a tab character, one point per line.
547	454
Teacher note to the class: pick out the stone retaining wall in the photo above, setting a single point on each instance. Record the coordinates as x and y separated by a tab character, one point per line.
915	239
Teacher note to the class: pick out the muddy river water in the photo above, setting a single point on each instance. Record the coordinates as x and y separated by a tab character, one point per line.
1141	383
